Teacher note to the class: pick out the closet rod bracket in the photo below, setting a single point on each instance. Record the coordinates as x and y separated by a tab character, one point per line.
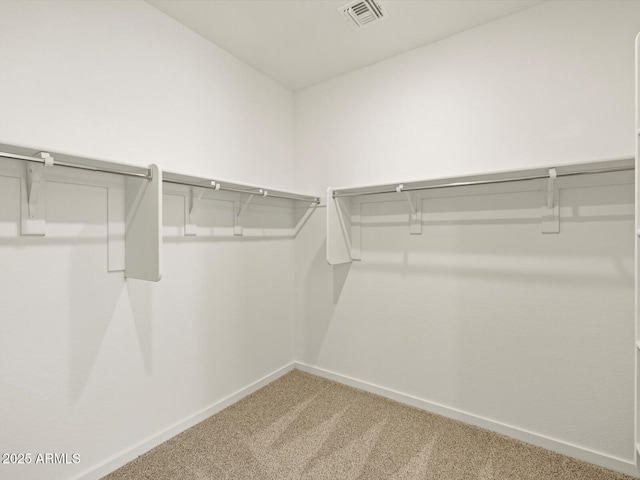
551	210
415	210
193	198
33	217
240	208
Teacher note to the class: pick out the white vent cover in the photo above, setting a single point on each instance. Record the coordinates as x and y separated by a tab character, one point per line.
362	13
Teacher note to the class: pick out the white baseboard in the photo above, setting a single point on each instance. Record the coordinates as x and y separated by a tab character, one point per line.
581	453
597	458
126	456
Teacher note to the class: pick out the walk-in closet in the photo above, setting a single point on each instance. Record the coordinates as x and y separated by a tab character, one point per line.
319	239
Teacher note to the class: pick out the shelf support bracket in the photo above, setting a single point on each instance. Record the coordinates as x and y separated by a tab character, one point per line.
343	225
356	230
301	223
192	201
415	210
33	211
551	211
244	206
240	208
143	226
339	249
237	226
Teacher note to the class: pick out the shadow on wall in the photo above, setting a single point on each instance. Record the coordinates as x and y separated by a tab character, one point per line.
323	287
140	300
485	314
593	220
340	274
95	304
217	218
96	297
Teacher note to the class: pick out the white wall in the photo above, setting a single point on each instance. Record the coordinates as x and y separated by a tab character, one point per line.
91	363
120	80
551	84
482	316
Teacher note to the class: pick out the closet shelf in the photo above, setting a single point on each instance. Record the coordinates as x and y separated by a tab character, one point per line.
84	163
140	230
606	166
201	182
343	215
48	159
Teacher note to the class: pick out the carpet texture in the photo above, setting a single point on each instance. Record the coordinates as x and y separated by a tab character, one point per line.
303	427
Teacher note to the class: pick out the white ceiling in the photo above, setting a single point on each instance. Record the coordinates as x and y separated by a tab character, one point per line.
302	42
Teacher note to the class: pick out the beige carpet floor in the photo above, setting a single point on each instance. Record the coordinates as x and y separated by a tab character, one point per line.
305	427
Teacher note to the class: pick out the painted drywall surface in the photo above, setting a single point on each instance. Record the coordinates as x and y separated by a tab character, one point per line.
483	313
552	84
120	80
90	363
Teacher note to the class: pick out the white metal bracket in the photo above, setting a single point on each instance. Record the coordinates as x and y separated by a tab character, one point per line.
356	230
415	210
303	220
33	204
191	203
551	211
143	226
240	207
339	249
342	214
237	226
243	206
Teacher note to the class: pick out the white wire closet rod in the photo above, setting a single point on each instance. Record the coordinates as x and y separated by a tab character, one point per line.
200	182
607	166
118	169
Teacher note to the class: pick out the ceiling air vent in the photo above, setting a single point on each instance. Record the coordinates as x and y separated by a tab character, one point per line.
362	13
